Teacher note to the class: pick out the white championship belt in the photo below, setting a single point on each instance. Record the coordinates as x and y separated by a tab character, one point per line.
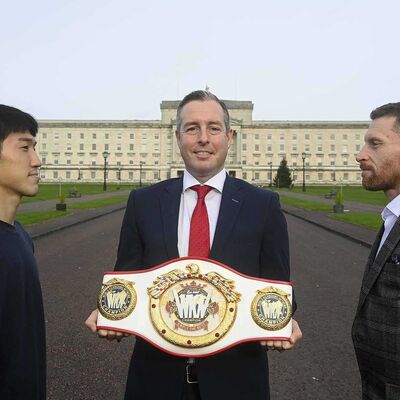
195	307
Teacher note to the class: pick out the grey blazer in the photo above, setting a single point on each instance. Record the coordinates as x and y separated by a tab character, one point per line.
376	327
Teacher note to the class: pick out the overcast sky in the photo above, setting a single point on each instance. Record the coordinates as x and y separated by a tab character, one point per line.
296	60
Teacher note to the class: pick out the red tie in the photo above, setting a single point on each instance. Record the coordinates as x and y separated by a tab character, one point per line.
199	239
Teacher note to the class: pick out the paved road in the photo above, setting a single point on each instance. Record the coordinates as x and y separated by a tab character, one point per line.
327	272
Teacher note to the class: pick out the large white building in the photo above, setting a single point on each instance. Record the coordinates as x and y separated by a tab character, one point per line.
146	150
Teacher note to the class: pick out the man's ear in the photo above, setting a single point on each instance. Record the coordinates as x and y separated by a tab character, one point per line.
178	138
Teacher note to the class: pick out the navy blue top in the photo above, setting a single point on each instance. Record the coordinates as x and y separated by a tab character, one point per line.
22	329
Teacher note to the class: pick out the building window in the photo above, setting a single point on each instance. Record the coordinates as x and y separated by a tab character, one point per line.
119	147
307	148
257	175
68	162
345	162
244	147
55	174
106	146
93	174
244	175
307	136
82	136
345	176
132	136
294	147
256	147
294	137
333	176
281	147
257	136
358	136
130	175
155	175
244	135
269	136
93	146
358	147
69	147
93	135
345	136
44	135
81	147
319	147
43	160
320	176
131	147
332	136
269	147
55	161
69	136
106	136
333	148
319	137
43	146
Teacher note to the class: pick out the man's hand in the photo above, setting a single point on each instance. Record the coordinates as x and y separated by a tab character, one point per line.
282	345
109	335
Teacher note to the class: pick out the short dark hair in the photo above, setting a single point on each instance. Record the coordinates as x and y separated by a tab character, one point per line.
13	120
201	95
388	110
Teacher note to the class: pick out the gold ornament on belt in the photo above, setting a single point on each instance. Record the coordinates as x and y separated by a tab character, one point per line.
191	309
271	308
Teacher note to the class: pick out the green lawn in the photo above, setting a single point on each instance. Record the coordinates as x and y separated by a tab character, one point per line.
305	204
350	193
366	220
98	203
49	191
36	217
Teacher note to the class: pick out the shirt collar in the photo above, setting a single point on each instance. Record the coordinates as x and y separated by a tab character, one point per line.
216	182
392	208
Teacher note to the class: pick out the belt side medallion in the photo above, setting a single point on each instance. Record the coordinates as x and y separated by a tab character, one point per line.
191	309
117	299
271	308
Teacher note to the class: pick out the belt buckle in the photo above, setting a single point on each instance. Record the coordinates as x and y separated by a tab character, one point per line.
189	374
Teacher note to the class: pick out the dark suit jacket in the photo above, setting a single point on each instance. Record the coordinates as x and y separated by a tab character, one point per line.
251	237
376	328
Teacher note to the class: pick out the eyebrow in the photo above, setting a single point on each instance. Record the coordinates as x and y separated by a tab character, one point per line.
30	140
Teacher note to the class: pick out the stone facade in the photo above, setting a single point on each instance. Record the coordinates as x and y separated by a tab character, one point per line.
146	151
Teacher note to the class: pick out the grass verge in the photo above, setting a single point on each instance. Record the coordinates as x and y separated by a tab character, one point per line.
36	217
98	203
350	193
366	220
305	204
48	191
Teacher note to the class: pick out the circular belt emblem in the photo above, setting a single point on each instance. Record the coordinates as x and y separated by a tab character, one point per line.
271	309
190	309
117	299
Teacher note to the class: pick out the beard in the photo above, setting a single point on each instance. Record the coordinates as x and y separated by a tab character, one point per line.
386	178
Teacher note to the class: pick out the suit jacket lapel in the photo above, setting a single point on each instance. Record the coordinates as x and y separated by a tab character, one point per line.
375	264
231	203
169	203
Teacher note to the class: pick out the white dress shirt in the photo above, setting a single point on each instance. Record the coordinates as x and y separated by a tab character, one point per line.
188	204
390	214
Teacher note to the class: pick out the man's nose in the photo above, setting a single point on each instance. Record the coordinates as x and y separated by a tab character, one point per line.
362	155
203	134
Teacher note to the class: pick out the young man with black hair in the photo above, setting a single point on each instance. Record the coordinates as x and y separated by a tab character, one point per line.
22	330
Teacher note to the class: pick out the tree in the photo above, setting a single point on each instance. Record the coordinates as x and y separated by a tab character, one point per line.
283	177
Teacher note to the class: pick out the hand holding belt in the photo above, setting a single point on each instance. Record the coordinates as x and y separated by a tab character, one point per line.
195	307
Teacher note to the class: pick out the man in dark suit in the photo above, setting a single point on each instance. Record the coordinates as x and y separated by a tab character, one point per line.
247	232
376	328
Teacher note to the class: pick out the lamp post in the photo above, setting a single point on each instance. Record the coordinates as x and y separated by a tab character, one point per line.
303	156
270	173
105	156
140	173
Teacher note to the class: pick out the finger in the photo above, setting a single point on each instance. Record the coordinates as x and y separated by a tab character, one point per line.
91	321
